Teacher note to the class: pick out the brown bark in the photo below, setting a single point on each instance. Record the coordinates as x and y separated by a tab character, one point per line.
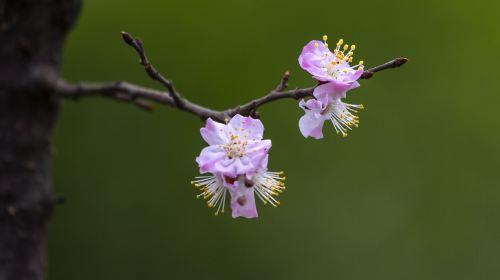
32	34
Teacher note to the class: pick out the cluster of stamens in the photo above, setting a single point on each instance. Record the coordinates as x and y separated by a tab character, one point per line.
236	147
212	190
342	116
342	54
268	185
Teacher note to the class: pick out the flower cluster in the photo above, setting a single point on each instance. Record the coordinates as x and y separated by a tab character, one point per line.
236	162
336	77
236	159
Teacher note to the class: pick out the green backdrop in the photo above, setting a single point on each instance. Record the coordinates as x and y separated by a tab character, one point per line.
413	193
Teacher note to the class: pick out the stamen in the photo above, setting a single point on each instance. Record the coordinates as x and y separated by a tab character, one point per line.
268	185
212	190
342	116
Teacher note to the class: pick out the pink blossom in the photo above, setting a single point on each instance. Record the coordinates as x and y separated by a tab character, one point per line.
337	77
329	67
237	159
327	106
235	148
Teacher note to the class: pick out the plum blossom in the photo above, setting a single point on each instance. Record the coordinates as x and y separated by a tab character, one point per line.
235	148
336	77
236	163
328	67
327	106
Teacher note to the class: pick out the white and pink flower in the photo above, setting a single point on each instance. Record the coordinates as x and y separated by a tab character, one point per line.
328	67
336	78
327	105
235	148
236	161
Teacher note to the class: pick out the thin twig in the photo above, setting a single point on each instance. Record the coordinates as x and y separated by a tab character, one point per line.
152	72
397	62
140	95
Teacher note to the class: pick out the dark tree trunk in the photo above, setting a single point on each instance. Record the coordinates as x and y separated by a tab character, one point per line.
32	34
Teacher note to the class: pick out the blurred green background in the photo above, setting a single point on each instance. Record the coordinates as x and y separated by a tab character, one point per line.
413	193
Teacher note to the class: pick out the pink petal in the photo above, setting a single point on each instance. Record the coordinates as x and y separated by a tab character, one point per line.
312	58
311	124
209	157
235	166
243	202
259	160
254	129
328	92
312	105
354	76
214	133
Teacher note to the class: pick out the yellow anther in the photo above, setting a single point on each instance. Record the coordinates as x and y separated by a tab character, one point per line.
325	38
353	47
316	45
346	47
361	106
340	42
350	59
361	62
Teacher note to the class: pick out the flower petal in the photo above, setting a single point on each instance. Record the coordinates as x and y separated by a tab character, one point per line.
328	92
251	128
258	154
312	105
243	202
214	133
209	157
354	76
311	124
312	58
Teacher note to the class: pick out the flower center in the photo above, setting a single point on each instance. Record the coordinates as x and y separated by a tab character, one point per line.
237	147
338	64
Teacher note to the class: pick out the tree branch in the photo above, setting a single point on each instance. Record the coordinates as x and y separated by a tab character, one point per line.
152	72
140	96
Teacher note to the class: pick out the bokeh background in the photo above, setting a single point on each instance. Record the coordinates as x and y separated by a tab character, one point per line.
413	193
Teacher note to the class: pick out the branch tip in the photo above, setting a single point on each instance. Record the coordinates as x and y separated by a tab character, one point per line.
400	61
127	38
